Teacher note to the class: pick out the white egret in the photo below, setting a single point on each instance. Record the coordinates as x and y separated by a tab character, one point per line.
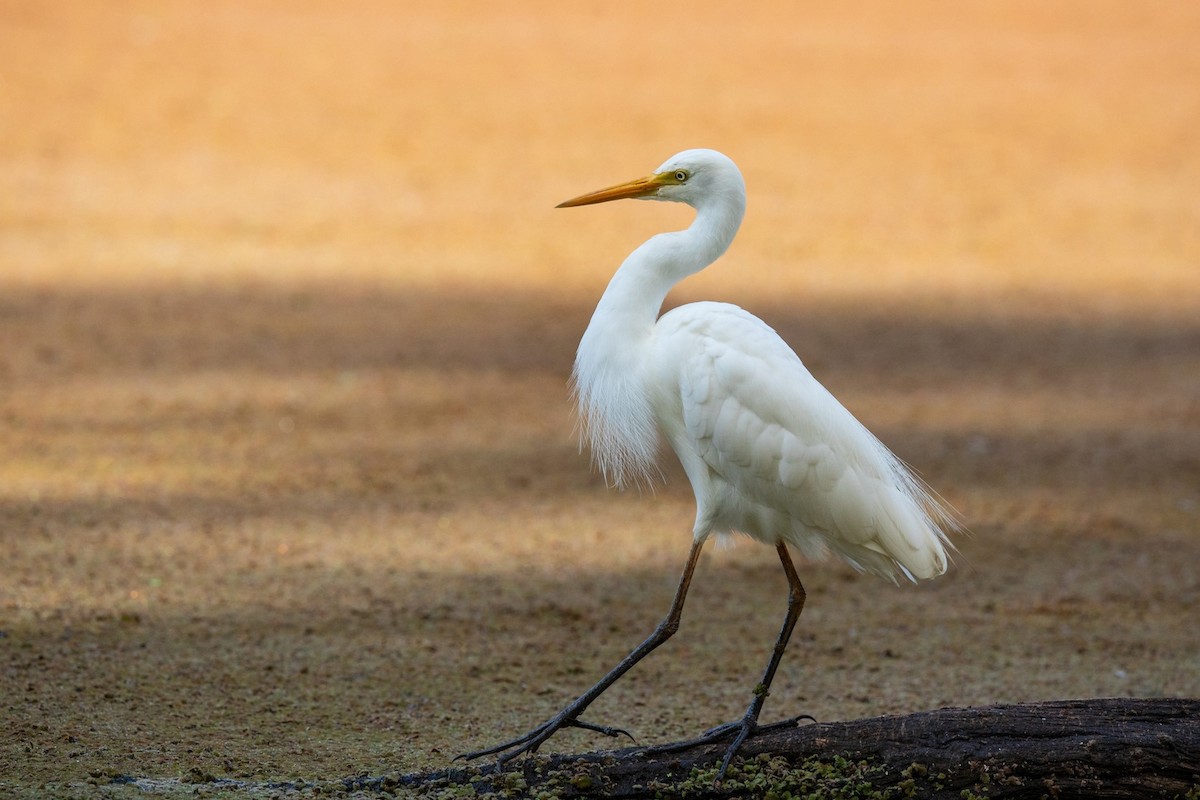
769	452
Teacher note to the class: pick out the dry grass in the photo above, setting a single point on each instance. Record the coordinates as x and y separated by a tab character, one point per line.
290	486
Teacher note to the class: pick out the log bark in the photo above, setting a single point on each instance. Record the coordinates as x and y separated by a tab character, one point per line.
1112	748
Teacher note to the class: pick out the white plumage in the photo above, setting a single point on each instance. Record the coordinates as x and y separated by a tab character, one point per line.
768	451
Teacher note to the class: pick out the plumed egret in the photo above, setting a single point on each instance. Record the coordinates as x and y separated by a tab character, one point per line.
768	451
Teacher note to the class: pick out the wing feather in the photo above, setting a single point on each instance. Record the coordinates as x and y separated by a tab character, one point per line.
792	462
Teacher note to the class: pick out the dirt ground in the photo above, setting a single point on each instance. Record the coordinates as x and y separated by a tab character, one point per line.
290	486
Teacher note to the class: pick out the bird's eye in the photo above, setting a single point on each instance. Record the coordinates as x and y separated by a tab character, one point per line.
681	175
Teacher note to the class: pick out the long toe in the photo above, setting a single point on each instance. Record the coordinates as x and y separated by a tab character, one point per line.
607	730
746	730
523	743
708	737
790	722
721	731
531	741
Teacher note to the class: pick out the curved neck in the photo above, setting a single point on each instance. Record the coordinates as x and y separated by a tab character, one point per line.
636	292
618	416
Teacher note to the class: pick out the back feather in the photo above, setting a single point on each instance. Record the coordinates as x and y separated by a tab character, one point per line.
794	463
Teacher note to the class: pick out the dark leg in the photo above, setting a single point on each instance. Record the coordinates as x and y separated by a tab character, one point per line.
748	724
796	597
569	716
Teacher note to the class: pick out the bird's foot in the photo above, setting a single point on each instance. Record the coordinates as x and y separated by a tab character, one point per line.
713	734
531	741
741	730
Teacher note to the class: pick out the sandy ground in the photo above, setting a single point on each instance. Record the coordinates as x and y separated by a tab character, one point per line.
290	487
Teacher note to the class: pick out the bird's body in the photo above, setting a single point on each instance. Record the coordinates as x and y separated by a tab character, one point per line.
768	451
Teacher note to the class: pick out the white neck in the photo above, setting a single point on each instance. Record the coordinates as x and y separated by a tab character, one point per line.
637	290
617	418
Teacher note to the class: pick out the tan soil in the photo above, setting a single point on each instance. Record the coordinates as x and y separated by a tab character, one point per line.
290	487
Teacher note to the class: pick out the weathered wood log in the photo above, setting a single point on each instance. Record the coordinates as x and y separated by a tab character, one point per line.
1126	748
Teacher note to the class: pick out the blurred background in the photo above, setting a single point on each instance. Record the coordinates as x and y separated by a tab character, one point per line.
290	483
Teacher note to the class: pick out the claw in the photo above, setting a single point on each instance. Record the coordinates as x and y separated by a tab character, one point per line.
790	722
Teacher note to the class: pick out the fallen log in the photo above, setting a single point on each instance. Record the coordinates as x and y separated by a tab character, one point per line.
1111	748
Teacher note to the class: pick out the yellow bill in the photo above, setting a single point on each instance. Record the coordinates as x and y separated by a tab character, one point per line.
641	187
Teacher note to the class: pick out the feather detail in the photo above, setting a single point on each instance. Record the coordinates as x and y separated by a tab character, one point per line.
785	458
616	418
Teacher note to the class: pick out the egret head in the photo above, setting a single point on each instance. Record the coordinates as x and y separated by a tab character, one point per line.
692	177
